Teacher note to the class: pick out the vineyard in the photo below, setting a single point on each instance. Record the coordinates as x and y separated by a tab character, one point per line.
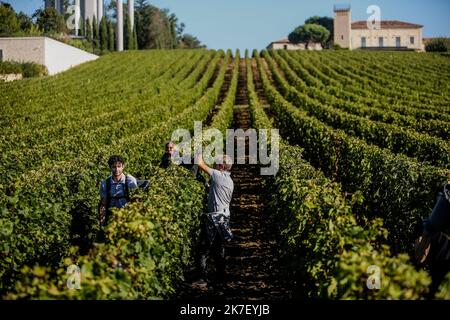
364	147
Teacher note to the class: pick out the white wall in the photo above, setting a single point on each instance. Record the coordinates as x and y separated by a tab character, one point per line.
55	55
287	46
23	49
292	46
389	36
60	56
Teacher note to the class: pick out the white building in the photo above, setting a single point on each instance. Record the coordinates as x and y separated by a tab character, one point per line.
285	44
95	8
392	34
88	8
55	55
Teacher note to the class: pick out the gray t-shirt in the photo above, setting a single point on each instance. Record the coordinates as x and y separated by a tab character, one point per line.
221	191
118	190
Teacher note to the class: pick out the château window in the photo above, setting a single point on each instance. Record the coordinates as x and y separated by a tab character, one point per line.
363	42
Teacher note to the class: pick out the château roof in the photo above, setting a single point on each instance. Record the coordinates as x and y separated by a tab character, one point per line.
387	24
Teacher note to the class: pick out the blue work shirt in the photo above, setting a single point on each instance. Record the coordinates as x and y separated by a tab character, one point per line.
117	190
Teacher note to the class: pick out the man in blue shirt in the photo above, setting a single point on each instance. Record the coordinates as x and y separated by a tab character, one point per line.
114	190
437	223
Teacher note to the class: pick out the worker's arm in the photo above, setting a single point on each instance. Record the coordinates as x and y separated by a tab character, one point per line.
103	204
202	165
102	211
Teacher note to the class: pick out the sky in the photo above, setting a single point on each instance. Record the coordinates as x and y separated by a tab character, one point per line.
253	24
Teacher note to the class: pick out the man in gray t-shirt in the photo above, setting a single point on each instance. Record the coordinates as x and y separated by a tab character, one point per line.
220	191
216	222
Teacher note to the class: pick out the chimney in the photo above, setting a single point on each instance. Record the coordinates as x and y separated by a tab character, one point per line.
119	26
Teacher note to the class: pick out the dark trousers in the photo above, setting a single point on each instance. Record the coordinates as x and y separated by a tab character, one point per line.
437	226
439	220
208	248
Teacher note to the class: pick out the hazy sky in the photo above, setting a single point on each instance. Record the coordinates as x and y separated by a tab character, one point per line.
253	24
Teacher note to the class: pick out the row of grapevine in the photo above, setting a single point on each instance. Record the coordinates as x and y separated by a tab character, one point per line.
148	244
224	117
396	188
38	217
79	144
159	235
433	127
388	70
397	139
357	90
393	90
80	84
326	251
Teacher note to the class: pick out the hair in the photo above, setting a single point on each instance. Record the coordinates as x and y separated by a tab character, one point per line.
170	143
115	158
226	161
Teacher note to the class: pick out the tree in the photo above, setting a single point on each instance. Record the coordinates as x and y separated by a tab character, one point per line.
128	34
8	20
326	22
438	45
34	31
112	37
173	28
25	22
154	28
66	4
50	21
95	32
188	41
88	30
81	26
131	41
309	33
180	30
136	47
160	33
103	34
61	26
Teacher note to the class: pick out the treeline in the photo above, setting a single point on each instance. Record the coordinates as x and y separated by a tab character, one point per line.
153	28
438	45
